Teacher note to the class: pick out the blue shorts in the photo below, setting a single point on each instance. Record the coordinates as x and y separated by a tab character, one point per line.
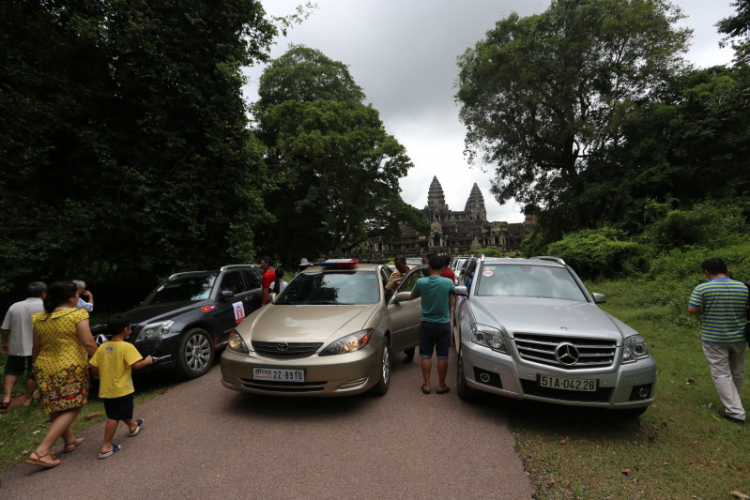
432	335
15	365
119	408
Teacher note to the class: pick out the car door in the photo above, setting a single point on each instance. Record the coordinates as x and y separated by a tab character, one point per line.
406	315
254	296
234	308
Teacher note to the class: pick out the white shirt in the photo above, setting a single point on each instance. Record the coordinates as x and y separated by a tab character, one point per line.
18	321
82	304
282	285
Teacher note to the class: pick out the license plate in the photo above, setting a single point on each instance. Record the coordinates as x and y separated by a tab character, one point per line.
279	374
568	384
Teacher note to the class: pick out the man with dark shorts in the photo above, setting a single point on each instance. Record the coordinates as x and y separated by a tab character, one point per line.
435	329
18	337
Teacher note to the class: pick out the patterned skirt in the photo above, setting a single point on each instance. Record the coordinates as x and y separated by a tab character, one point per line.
64	389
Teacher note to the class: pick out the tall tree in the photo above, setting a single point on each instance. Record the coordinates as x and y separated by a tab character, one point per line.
737	29
329	156
129	147
543	96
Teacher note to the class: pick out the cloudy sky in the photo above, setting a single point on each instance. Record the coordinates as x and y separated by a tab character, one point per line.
403	54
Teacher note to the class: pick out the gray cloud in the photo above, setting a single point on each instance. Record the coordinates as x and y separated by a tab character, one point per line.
403	54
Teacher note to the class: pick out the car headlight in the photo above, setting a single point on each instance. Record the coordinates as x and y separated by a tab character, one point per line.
633	349
489	336
153	330
236	343
351	343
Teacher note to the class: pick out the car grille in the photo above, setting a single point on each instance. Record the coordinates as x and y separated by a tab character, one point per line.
286	350
271	386
600	395
580	353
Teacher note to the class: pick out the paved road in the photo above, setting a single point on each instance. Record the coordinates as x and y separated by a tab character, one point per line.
202	441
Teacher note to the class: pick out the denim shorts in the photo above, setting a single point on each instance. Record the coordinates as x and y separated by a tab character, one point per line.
15	365
432	335
119	408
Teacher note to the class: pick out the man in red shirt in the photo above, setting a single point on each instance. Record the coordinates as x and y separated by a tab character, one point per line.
447	273
269	276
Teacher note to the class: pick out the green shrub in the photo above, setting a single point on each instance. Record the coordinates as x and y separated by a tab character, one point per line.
600	253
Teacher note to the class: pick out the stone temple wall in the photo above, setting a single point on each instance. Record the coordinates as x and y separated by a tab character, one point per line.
451	232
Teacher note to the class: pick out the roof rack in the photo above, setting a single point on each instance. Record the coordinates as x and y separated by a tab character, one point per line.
550	258
238	266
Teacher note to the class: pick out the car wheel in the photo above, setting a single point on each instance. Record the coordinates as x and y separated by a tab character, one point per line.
196	354
385	369
463	390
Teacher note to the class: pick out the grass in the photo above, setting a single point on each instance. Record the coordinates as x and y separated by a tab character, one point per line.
679	448
21	429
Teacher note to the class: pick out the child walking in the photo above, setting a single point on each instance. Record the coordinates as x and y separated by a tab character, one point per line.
112	365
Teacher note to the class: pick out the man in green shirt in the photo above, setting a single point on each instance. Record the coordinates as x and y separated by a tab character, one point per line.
722	303
435	328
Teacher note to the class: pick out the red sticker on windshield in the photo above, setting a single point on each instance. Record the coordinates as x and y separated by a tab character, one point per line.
488	273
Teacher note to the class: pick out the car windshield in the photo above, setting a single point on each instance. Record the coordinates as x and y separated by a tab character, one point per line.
180	290
335	287
528	281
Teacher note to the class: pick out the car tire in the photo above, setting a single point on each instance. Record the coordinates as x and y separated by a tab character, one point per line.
384	381
462	389
196	354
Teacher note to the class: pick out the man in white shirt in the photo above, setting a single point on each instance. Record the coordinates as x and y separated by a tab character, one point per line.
18	339
83	294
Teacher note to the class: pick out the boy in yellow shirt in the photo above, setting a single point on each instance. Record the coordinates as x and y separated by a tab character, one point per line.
112	364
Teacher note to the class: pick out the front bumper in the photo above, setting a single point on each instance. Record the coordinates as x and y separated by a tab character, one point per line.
338	375
618	387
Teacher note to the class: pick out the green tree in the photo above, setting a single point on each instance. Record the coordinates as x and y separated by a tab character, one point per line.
129	149
737	29
544	96
335	168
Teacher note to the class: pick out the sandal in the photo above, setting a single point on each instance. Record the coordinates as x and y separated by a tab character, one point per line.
107	454
38	460
4	405
70	448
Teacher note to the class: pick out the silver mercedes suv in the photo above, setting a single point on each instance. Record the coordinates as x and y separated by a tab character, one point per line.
529	329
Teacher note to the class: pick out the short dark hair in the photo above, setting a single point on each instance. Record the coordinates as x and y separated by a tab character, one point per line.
36	288
437	263
267	259
715	265
400	258
117	323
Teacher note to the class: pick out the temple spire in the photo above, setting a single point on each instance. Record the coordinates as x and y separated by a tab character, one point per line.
475	203
435	197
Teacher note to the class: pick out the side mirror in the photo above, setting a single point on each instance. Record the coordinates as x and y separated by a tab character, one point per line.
402	296
599	298
461	290
226	294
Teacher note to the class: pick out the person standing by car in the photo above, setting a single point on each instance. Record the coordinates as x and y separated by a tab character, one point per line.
397	276
17	326
435	328
85	297
269	276
722	303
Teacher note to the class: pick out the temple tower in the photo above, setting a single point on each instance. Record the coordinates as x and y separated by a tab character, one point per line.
435	197
475	204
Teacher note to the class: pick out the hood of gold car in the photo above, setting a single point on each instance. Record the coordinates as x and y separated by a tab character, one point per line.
305	323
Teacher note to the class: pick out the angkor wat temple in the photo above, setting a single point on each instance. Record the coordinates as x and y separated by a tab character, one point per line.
451	232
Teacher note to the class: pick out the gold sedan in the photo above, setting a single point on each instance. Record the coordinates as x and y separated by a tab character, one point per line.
331	332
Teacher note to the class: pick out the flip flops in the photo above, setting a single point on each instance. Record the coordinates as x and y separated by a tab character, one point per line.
443	391
107	454
4	405
137	429
38	460
425	390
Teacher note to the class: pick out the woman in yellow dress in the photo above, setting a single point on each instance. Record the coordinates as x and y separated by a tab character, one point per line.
62	346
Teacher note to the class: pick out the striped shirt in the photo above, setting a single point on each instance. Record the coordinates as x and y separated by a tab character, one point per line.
723	304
